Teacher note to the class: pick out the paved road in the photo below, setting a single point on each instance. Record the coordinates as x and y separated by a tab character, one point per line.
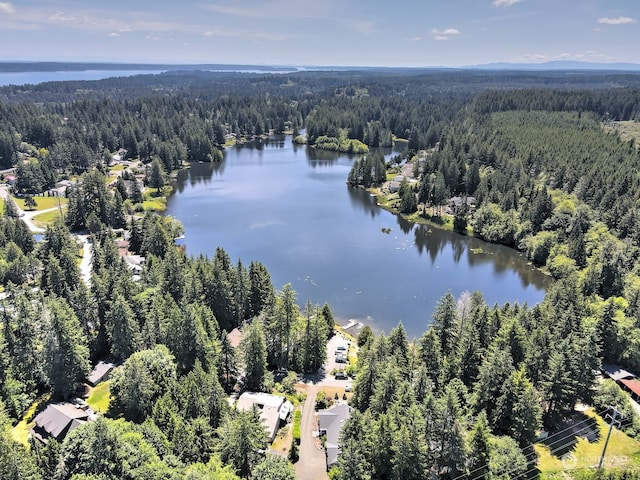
26	216
312	463
87	258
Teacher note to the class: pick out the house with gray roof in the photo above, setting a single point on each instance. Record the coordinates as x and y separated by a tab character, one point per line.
100	372
58	419
330	423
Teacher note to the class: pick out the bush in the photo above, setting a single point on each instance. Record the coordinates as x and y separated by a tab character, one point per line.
293	453
321	400
297	420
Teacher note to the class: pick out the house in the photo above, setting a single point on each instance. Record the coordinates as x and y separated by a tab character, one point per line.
330	423
393	186
235	337
135	263
100	373
273	409
615	372
457	202
626	380
632	386
58	419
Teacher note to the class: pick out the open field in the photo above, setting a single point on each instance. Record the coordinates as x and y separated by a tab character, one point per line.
627	130
45	219
580	447
42	203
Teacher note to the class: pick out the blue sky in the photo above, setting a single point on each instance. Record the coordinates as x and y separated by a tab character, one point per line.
412	33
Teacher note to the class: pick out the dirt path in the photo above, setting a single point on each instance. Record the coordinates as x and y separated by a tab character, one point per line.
312	463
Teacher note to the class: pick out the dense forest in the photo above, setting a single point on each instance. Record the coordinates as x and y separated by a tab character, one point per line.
466	400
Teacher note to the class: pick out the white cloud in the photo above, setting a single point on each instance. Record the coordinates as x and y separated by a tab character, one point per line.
61	17
415	39
113	34
616	21
505	3
445	34
6	7
364	27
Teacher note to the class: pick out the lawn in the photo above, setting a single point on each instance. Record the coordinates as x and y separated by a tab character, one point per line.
282	442
20	432
45	219
42	203
567	452
99	397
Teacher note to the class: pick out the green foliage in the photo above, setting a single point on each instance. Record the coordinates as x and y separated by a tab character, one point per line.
297	419
65	350
273	468
140	381
243	440
254	353
110	449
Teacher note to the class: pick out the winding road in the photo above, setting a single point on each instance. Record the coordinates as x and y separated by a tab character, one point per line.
27	218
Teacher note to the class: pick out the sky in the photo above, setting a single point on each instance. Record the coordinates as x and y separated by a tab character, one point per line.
410	33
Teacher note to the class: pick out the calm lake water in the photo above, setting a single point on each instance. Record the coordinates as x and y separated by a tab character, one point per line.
289	207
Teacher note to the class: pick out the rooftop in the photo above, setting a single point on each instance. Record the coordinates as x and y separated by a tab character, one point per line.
57	420
330	421
273	409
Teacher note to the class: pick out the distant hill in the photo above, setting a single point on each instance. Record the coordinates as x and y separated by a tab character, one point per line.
557	65
13	67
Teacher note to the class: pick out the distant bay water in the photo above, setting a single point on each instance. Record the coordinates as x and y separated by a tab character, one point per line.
34	78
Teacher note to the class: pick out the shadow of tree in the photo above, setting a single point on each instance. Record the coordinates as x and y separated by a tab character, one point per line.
564	440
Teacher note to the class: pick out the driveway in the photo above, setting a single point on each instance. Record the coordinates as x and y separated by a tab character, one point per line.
312	464
87	257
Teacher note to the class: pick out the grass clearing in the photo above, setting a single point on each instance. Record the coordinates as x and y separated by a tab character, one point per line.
45	219
20	432
571	453
100	396
628	130
42	203
282	442
158	204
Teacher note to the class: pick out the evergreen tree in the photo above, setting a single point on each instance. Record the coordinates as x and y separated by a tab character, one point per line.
518	412
122	328
479	449
254	352
65	349
243	441
156	176
228	366
444	323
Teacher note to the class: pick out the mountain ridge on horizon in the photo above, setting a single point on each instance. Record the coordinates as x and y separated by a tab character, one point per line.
51	66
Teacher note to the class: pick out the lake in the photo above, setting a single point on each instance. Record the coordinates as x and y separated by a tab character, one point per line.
290	208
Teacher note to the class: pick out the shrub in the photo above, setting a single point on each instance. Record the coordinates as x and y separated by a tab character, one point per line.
297	420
